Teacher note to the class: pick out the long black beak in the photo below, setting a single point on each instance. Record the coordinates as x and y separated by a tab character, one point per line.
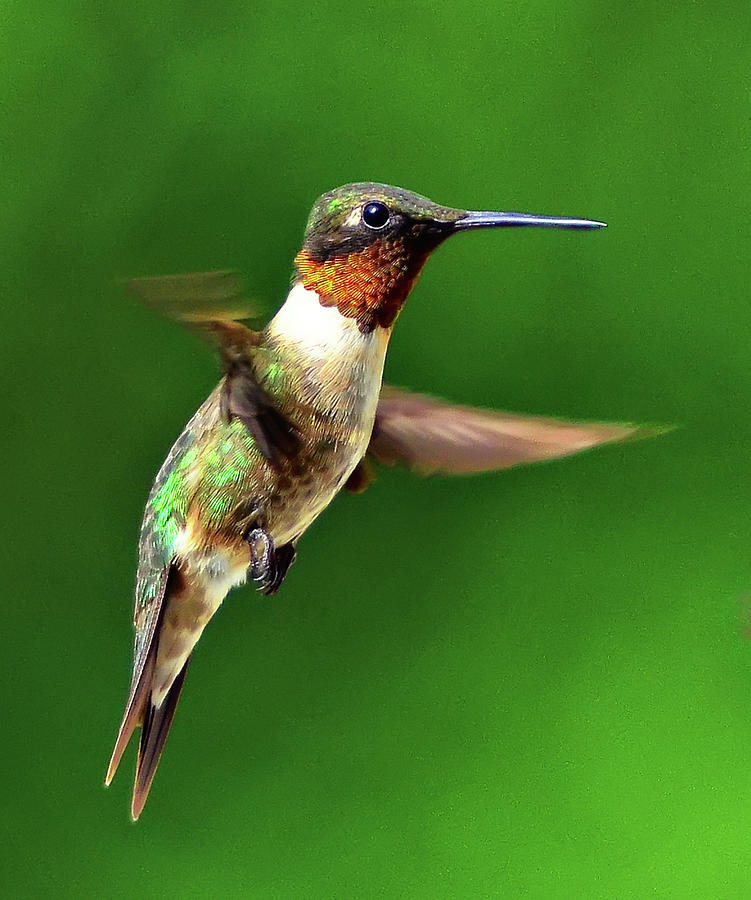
520	220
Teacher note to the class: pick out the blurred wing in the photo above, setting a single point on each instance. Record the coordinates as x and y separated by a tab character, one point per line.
196	297
429	435
211	303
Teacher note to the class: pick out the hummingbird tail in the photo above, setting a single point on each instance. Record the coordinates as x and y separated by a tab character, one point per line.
141	686
153	697
154	730
134	716
155	722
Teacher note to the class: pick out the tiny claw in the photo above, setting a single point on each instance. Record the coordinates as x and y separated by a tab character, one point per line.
262	558
269	564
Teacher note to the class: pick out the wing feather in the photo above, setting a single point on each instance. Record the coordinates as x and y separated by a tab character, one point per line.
429	435
196	297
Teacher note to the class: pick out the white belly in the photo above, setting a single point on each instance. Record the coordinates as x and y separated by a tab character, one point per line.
337	370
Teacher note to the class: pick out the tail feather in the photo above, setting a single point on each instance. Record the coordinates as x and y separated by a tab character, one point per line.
154	730
152	700
143	675
138	702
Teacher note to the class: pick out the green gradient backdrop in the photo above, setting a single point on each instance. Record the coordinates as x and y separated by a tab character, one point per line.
525	684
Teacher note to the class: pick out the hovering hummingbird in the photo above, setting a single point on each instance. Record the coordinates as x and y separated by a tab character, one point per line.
300	413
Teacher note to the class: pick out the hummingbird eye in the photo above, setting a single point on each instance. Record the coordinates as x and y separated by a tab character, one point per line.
375	214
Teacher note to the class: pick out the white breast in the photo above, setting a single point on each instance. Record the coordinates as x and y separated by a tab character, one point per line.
323	330
338	363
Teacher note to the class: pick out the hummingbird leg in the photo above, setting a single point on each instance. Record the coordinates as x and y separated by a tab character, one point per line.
268	564
262	557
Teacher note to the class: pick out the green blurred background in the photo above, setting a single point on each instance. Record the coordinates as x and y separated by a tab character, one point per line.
534	683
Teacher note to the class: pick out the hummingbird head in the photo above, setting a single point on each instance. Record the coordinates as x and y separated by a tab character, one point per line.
365	245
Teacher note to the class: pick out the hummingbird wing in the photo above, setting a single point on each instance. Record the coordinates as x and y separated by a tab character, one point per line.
429	436
212	303
195	298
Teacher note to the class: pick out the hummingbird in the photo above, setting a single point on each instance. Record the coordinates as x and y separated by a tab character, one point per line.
300	413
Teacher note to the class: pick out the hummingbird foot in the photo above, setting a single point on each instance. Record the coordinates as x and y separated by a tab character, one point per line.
268	564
